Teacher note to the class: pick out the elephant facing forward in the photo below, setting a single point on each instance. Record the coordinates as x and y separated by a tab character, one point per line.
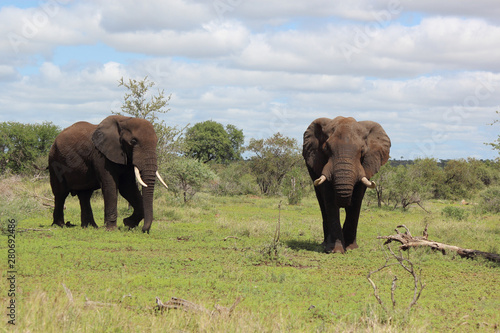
110	156
341	155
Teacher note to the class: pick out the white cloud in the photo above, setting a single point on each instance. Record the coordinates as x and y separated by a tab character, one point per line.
121	16
266	66
209	41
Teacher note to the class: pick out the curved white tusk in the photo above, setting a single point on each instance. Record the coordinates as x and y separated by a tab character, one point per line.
161	179
320	180
138	176
368	183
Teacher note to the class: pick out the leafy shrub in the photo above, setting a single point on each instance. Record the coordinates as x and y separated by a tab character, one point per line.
296	184
22	144
490	199
234	179
188	176
455	213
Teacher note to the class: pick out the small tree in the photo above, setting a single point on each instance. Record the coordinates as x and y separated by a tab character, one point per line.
406	186
296	183
139	103
462	179
209	141
188	176
274	158
428	172
380	179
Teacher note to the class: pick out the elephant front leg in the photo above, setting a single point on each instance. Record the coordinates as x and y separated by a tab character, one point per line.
333	237
110	194
352	217
132	194
333	242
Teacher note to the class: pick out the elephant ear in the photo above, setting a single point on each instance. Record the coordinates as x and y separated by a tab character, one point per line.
378	147
106	139
312	150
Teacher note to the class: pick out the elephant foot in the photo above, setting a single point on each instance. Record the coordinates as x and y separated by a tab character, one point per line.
62	224
111	226
336	247
92	224
130	222
352	246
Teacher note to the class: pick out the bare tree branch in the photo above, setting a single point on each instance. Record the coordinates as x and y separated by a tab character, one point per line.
407	241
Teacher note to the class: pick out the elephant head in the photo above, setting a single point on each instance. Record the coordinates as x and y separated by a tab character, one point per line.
131	142
344	152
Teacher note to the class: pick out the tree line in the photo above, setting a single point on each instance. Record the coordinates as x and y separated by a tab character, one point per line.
424	179
208	155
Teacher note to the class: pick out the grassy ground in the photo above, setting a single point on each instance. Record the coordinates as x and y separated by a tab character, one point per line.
218	249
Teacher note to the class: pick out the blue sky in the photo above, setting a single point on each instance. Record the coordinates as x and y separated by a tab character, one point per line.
427	71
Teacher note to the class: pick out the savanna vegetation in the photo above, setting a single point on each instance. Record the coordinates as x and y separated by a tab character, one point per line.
230	230
215	249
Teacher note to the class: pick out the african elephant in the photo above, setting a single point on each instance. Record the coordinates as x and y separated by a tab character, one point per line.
110	156
341	155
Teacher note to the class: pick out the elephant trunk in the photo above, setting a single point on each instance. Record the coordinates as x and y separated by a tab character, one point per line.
147	198
344	179
148	169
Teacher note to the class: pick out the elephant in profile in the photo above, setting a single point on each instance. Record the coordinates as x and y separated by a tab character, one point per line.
341	155
109	156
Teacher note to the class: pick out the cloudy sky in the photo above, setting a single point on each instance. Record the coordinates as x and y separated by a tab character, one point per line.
428	71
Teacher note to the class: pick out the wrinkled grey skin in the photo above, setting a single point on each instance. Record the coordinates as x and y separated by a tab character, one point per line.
86	157
344	151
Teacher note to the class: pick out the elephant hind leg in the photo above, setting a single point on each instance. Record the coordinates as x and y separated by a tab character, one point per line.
86	215
58	214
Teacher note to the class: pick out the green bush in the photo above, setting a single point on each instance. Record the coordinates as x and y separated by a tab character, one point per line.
188	176
22	145
455	213
490	199
296	184
233	179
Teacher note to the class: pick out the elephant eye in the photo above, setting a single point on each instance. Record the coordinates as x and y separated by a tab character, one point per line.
325	147
133	142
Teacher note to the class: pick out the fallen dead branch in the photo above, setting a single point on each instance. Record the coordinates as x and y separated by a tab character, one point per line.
32	229
408	266
179	303
407	241
234	237
90	303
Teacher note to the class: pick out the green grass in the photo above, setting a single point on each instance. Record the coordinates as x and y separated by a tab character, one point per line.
216	249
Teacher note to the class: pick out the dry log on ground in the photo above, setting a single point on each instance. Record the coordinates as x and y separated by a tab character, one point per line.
89	303
179	303
407	241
